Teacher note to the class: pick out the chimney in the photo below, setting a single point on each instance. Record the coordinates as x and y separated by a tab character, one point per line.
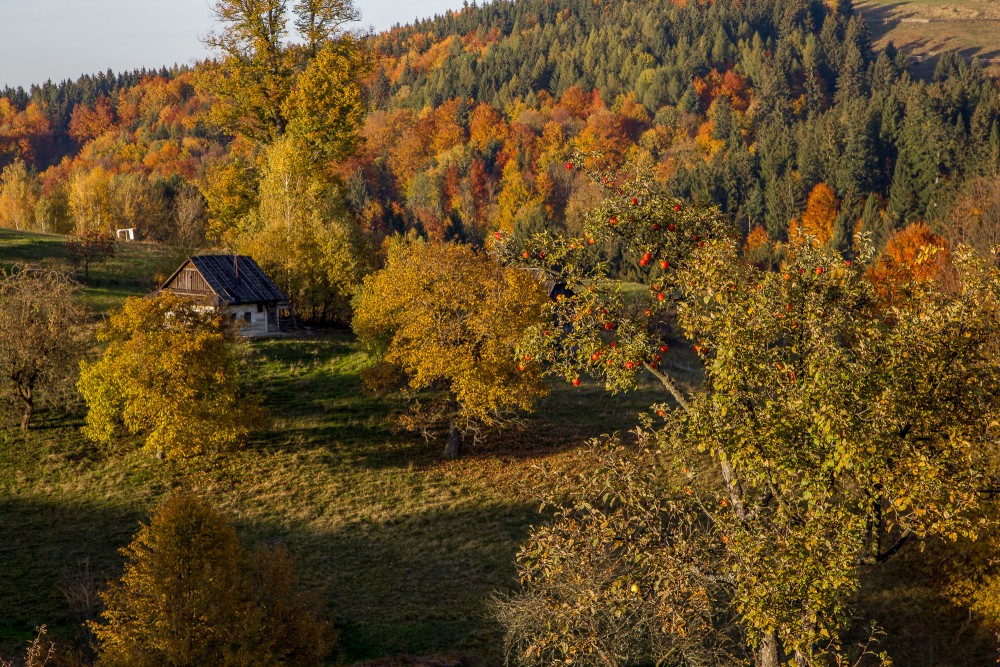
236	266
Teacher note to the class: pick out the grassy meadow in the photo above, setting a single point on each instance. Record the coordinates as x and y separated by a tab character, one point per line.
135	269
403	547
924	29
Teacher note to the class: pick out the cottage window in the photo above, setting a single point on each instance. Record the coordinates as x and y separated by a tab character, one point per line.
246	316
260	308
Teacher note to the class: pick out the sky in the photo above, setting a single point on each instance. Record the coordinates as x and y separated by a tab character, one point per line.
62	39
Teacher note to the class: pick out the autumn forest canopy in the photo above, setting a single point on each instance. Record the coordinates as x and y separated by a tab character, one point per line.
471	116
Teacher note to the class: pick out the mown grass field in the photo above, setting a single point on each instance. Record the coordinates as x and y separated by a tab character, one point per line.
134	269
924	29
403	548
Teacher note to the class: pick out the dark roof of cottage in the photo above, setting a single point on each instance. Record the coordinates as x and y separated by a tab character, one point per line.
235	279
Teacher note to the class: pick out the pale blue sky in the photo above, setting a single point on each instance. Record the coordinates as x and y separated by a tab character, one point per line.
60	39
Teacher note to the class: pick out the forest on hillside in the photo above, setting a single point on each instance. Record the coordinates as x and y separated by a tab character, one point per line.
753	106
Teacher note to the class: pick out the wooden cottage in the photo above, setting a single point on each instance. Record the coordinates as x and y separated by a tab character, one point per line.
235	286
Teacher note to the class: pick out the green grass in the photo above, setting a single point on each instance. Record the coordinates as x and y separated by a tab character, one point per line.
924	29
403	546
135	269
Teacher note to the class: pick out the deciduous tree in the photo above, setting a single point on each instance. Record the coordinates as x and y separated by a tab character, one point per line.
911	256
171	374
43	334
254	78
18	197
191	594
91	247
303	236
819	217
826	436
451	318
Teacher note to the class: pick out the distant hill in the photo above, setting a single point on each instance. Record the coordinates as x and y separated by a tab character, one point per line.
748	104
924	29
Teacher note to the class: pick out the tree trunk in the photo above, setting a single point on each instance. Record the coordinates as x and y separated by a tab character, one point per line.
770	653
451	449
454	444
29	410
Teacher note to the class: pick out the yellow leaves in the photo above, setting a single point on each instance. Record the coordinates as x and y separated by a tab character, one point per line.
326	106
169	374
191	594
19	192
311	248
820	214
448	315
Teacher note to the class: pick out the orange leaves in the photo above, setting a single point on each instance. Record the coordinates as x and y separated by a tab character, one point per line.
706	139
717	84
486	127
756	240
576	102
22	132
818	219
912	256
89	123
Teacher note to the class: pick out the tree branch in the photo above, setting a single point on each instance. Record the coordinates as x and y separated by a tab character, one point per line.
674	390
894	549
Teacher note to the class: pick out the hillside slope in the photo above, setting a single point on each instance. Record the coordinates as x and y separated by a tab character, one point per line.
925	29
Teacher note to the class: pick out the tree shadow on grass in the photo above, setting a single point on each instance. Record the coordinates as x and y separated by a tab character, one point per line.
41	544
315	394
415	585
923	627
883	18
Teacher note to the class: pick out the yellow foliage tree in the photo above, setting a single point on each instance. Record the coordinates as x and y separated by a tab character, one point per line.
18	196
515	197
171	374
451	318
230	191
192	595
326	106
303	237
91	200
758	247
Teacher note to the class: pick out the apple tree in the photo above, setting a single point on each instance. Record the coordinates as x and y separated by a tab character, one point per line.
43	334
450	318
829	433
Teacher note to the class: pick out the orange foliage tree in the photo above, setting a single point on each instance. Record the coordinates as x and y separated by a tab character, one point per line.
818	219
88	123
912	256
